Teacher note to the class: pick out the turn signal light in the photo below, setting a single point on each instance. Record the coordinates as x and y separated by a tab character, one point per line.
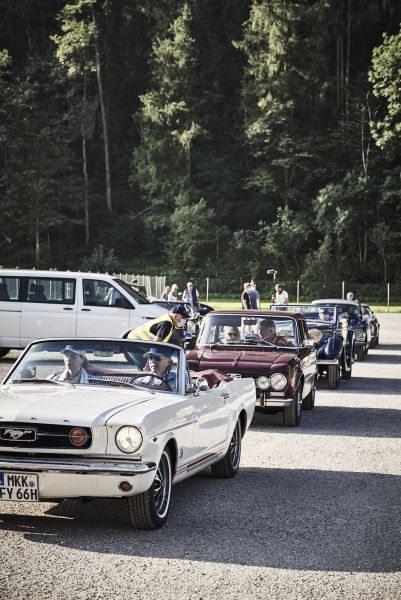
125	486
78	436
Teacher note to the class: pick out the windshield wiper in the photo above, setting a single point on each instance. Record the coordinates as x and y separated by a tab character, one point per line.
117	384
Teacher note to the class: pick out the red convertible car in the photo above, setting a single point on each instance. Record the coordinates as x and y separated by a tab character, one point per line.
274	348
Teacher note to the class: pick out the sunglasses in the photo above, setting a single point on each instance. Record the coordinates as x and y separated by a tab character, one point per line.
155	358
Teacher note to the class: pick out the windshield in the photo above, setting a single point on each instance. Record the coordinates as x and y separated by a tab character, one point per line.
311	312
133	293
97	362
241	329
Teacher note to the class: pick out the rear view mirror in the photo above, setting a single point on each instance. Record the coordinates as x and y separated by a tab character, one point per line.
201	384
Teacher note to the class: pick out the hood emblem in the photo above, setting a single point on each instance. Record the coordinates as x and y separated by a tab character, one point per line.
22	435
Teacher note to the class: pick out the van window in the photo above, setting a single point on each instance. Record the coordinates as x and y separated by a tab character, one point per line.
135	295
97	292
51	290
9	289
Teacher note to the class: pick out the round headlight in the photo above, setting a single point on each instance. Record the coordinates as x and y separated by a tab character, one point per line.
129	439
278	381
263	382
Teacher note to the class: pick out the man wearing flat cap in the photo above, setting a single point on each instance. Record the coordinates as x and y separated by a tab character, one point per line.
164	328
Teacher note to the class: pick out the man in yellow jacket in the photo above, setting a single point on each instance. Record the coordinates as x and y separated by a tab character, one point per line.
164	328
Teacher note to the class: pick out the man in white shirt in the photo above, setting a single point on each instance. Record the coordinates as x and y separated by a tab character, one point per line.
281	296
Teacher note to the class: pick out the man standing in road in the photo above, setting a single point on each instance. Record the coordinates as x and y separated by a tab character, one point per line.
166	328
280	296
254	296
191	295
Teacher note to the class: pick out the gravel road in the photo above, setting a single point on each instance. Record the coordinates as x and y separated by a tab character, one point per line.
314	513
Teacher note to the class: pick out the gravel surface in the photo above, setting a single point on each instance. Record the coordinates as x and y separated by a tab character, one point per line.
313	513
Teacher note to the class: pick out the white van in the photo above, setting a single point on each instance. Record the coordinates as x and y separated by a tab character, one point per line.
41	304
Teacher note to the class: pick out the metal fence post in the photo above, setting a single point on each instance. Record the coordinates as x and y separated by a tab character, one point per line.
343	290
297	292
388	297
207	289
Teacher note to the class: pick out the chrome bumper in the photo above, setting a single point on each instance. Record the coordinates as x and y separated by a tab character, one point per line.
78	467
324	361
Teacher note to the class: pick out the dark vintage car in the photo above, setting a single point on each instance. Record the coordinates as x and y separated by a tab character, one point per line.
352	312
192	326
282	365
335	350
373	321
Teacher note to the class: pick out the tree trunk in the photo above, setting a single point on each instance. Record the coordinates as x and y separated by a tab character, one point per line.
84	164
347	68
103	111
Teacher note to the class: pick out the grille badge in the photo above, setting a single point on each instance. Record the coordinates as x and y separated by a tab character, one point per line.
14	434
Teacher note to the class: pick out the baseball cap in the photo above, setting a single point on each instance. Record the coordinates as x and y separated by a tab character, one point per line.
79	351
180	309
159	351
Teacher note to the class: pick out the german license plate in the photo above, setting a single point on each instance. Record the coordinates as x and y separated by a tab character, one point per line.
19	487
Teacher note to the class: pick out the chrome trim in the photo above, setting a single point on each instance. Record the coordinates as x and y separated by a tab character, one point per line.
81	467
274	402
333	361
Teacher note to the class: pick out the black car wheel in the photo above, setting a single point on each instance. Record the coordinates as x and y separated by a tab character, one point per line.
360	353
292	413
308	403
346	367
228	466
333	376
4	352
149	510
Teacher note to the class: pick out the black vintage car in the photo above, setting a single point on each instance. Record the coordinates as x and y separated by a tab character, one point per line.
352	312
371	318
335	349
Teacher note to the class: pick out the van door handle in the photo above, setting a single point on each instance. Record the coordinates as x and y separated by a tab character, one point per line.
87	309
67	308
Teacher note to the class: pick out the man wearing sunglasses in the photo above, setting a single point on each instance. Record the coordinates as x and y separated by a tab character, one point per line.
159	364
232	334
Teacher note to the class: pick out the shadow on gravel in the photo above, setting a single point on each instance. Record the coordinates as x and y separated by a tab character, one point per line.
382	386
287	519
337	420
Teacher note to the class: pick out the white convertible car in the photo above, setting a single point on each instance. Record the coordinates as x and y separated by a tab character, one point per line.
117	419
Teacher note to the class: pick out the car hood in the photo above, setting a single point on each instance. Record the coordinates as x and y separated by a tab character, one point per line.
244	359
81	405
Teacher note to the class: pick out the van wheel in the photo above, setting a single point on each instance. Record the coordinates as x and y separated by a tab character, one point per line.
4	352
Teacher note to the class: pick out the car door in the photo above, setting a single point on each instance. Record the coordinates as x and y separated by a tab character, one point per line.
102	310
48	308
10	312
307	356
212	417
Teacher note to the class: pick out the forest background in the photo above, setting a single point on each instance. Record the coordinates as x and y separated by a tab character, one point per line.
195	138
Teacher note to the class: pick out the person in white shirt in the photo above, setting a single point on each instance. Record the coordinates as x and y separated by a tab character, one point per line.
172	295
281	296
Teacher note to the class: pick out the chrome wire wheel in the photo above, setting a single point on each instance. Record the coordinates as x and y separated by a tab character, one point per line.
235	446
162	485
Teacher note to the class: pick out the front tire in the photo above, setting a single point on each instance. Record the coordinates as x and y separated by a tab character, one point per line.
149	510
4	352
228	466
308	403
333	377
292	413
360	354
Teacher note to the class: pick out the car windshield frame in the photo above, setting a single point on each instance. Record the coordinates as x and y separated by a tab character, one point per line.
311	312
139	299
107	362
248	328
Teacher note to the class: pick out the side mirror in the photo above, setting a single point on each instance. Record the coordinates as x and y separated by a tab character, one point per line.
201	384
315	335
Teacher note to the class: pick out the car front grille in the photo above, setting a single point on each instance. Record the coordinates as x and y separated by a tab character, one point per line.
44	436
